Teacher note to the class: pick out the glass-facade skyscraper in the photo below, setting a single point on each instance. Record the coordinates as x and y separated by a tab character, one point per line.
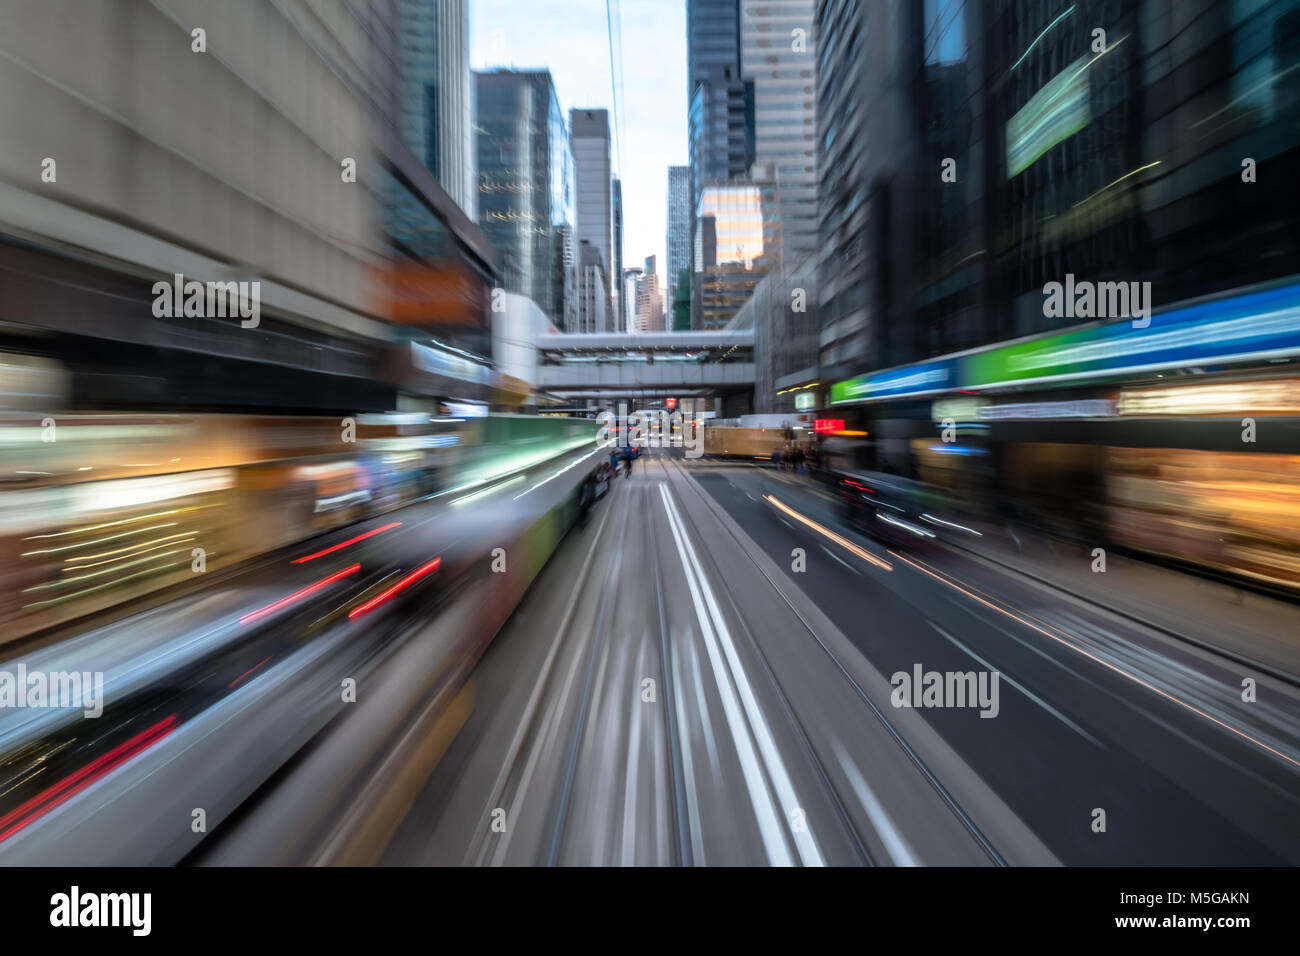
679	226
620	296
737	242
435	112
843	184
1114	160
527	187
439	270
720	106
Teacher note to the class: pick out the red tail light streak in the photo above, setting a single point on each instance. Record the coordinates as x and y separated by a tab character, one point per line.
69	786
298	595
401	585
340	546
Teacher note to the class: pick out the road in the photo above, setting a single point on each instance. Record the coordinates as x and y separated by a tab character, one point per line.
677	687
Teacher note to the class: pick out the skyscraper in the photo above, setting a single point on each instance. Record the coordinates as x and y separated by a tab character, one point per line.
649	300
589	134
526	186
989	116
737	242
777	55
679	225
618	300
720	103
593	301
631	281
843	214
435	112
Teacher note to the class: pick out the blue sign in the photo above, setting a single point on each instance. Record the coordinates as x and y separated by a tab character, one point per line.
938	376
1251	327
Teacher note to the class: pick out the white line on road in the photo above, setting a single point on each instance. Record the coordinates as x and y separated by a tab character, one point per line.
839	559
1032	696
634	750
1055	634
895	845
688	758
769	827
780	777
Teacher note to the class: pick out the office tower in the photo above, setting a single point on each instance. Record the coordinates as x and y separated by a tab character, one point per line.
631	279
619	300
782	312
777	55
526	186
979	154
737	242
435	111
593	300
649	300
589	135
681	302
720	103
679	226
1034	157
842	222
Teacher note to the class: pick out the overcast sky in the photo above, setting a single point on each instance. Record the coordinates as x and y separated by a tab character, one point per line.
570	38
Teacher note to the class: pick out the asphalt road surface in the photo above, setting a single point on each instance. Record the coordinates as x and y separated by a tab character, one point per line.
701	675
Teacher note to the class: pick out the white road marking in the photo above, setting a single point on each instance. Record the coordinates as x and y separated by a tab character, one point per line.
839	559
895	844
688	758
769	827
1032	696
634	750
780	777
1055	634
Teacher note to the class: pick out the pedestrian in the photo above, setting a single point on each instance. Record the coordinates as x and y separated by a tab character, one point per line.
586	498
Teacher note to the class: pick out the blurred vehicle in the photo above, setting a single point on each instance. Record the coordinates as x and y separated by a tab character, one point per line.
897	511
757	441
97	510
596	485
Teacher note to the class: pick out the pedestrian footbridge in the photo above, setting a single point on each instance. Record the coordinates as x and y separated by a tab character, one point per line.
717	362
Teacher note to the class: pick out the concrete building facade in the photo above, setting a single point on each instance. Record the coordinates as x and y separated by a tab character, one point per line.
778	56
590	137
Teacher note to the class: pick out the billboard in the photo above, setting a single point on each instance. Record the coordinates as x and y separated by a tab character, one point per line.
1256	326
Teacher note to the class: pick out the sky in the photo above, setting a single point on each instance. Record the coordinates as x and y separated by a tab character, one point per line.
570	38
